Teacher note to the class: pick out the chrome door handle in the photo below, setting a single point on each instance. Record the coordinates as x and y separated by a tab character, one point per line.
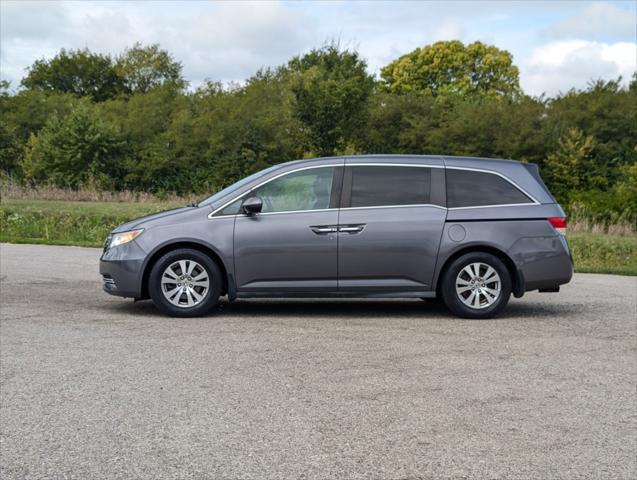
351	229
323	229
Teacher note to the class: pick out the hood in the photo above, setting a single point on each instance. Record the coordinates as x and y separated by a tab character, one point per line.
145	221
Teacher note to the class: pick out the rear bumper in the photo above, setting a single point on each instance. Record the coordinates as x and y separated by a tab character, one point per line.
121	268
545	263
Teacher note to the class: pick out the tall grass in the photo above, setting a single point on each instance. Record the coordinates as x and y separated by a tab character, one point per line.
68	223
61	228
589	226
16	191
604	253
581	220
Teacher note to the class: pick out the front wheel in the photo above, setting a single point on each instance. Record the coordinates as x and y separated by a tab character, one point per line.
476	285
185	283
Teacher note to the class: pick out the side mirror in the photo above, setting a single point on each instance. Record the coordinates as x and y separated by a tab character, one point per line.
252	205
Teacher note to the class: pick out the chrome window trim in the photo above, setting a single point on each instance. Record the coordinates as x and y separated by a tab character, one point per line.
383	164
534	201
396	206
287	211
493	172
335	209
496	206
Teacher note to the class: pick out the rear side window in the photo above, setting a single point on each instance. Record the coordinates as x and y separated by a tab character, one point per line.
466	188
386	186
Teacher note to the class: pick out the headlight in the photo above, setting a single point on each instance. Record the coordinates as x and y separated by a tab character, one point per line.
123	237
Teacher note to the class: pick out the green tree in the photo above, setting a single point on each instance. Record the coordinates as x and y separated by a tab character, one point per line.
143	68
9	148
330	90
626	192
451	68
4	88
489	127
79	72
8	140
79	149
568	169
248	128
144	120
605	111
23	114
398	124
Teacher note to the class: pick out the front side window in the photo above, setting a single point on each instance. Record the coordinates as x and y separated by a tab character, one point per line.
235	186
303	190
467	188
375	186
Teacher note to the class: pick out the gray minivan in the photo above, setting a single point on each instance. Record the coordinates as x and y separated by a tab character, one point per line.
470	231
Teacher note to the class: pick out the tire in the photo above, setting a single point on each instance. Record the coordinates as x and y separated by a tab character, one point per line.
476	300
170	297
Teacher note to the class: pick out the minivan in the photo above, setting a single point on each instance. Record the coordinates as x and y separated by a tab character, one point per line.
468	231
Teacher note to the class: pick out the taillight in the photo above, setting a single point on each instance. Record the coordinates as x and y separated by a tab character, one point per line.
559	224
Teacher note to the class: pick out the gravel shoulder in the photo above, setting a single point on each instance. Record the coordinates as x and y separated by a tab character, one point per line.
93	386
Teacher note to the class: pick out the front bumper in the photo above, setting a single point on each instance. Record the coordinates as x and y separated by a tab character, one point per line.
121	268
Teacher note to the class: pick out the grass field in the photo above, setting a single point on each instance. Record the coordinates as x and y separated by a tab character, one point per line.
88	223
66	222
601	253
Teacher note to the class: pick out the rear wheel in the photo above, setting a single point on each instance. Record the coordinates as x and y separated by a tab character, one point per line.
476	285
185	283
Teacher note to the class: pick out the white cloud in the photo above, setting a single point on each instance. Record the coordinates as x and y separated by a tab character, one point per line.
560	66
236	39
221	41
599	20
229	41
449	29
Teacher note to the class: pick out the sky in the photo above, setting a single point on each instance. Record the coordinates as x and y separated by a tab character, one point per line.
557	45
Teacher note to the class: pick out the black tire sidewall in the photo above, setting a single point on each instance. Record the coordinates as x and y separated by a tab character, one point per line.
154	283
450	296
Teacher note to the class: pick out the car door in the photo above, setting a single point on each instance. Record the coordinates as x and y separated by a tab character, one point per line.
390	225
291	246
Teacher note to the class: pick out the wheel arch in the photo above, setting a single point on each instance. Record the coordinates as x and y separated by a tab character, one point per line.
516	275
174	245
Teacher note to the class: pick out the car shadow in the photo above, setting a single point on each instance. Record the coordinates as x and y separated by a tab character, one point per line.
354	308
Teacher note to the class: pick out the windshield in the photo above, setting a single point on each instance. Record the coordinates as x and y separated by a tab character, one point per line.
235	186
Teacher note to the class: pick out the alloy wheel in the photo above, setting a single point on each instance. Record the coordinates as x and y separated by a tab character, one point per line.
185	283
478	285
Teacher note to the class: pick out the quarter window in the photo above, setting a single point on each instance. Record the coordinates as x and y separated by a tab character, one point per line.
467	188
233	209
386	185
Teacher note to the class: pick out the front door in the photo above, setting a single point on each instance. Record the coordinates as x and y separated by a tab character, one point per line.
390	227
291	246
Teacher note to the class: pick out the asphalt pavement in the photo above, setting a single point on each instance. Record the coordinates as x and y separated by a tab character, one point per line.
98	387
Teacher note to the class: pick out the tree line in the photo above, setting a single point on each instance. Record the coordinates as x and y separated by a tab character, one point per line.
131	122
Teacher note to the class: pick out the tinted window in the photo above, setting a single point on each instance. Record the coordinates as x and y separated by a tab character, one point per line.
466	188
383	185
303	190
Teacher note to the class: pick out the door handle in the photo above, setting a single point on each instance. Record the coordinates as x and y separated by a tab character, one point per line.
351	229
323	229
